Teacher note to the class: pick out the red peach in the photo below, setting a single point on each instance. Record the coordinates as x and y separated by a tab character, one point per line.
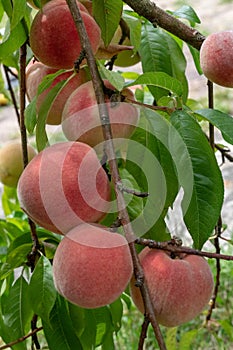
179	288
92	266
216	57
63	186
53	36
34	76
81	118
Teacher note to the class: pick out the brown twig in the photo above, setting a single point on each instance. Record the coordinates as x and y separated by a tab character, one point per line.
161	18
23	132
143	334
176	249
109	150
218	231
20	340
13	98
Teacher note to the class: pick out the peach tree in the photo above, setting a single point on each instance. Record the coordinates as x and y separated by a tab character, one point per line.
103	97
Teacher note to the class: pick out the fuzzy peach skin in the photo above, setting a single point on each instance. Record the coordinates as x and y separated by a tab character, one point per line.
34	75
92	266
53	36
81	121
180	288
63	186
216	57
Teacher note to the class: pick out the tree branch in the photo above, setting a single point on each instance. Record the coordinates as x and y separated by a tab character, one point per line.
161	18
172	247
20	340
106	127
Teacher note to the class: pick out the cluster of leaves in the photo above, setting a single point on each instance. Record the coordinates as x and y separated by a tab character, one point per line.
172	133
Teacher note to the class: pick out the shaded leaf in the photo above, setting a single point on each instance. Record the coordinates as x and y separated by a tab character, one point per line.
107	14
59	331
42	293
203	199
222	121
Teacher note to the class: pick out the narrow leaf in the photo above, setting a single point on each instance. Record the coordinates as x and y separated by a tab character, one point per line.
107	14
113	77
59	331
159	79
222	121
16	313
188	13
203	197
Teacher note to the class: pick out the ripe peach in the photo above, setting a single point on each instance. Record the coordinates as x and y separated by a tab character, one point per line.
11	162
92	266
53	36
179	288
63	186
36	72
81	118
216	57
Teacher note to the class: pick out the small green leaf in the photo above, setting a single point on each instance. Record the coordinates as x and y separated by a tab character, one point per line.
159	79
12	40
19	11
30	116
188	13
113	77
41	136
116	309
107	14
222	121
204	197
186	340
42	291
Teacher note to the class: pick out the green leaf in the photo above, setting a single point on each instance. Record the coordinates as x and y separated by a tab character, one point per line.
30	116
12	40
160	52
135	27
202	201
171	341
113	77
41	136
107	14
186	340
222	121
19	11
59	331
42	292
188	13
16	313
196	58
159	79
116	309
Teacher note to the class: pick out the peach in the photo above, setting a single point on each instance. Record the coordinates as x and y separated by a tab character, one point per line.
63	186
92	266
53	36
81	118
11	162
34	75
179	287
216	57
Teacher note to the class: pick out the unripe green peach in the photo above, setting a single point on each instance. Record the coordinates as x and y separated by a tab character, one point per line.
11	162
92	266
35	73
81	118
53	36
63	186
179	287
216	57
